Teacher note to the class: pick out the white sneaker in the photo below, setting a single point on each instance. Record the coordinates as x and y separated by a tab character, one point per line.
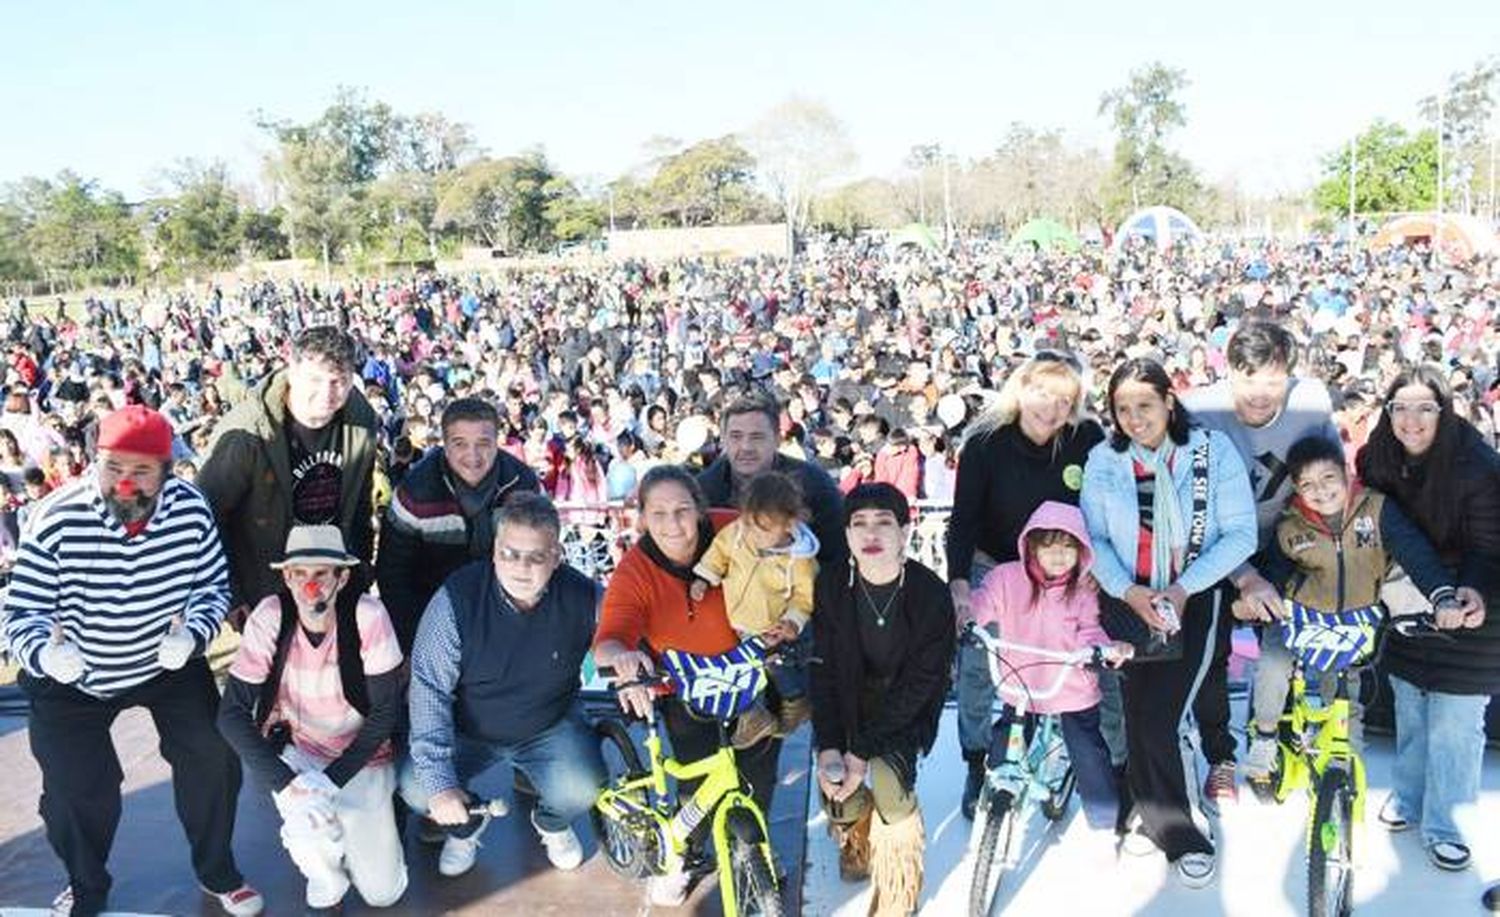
1135	843
62	905
325	894
458	855
563	848
242	902
1197	869
669	890
1261	757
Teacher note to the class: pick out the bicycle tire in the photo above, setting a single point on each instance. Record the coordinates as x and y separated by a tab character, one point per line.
632	849
994	847
1329	847
755	891
613	732
1055	806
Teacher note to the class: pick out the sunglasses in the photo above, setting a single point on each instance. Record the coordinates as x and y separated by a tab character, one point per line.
1058	356
525	558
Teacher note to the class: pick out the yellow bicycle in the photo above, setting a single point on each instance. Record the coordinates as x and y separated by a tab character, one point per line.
1315	752
645	829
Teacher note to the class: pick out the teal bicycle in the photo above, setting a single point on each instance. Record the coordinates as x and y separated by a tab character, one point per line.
1024	775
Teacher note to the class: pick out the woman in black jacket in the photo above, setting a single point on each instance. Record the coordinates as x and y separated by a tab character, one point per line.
883	626
1028	448
1446	479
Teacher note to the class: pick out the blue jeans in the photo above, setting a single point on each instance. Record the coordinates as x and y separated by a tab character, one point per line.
1439	753
563	762
1097	785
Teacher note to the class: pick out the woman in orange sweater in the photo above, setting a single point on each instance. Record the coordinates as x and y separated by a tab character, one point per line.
648	609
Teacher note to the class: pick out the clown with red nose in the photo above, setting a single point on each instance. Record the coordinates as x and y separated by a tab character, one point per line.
135	457
316	568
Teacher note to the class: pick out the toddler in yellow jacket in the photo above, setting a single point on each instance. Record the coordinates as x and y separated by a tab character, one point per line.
766	561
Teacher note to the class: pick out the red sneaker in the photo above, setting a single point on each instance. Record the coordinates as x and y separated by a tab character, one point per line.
1220	785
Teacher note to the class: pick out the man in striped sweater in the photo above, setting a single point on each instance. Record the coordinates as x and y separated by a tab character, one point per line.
119	586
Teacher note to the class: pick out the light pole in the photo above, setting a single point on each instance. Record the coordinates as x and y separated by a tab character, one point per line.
1351	191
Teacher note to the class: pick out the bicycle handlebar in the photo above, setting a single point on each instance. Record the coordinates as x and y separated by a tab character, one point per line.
1090	657
1087	656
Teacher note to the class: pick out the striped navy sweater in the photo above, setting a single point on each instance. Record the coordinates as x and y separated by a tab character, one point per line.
114	594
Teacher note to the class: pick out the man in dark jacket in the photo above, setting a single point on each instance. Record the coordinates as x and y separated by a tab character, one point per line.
440	514
299	451
748	435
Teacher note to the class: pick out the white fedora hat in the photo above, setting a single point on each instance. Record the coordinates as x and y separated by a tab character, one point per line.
316	546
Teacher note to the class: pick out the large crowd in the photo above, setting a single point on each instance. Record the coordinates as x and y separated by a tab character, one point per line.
1140	450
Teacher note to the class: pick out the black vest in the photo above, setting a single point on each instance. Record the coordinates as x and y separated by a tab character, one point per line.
519	672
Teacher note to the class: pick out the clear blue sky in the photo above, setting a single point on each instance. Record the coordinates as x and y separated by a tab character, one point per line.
118	90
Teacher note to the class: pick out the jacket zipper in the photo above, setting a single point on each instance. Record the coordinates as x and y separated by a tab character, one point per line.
1338	549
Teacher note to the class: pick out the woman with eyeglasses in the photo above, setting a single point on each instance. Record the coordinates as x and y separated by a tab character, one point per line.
649	609
1027	448
1446	479
1171	515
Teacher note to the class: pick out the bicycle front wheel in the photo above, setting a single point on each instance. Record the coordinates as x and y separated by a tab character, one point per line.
633	847
1330	858
993	853
755	891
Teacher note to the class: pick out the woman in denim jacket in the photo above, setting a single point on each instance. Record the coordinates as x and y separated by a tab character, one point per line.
1141	532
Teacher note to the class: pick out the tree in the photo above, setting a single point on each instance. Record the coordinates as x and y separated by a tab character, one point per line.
1394	171
858	206
77	232
1465	119
325	167
710	182
427	150
15	257
799	146
571	216
1145	111
263	235
920	160
502	202
199	226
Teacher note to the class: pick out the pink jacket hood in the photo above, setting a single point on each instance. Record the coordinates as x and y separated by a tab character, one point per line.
1065	518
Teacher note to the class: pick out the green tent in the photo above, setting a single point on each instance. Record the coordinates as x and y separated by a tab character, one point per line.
1046	235
915	234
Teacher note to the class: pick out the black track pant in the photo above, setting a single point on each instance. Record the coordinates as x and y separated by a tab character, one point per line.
81	774
1159	696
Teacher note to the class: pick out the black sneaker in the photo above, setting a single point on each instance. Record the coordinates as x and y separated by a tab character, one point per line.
1448	855
1491	899
1391	820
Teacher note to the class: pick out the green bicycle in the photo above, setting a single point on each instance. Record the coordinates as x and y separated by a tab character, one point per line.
1314	749
646	830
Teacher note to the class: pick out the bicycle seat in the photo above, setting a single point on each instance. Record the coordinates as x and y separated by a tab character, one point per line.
1331	641
719	686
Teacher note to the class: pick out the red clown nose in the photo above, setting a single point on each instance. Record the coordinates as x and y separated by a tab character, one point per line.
310	590
127	489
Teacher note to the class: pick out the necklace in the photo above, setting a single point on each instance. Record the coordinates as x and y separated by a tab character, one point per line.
881	612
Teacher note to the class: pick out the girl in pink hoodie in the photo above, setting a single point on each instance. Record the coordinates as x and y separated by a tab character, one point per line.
1047	599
